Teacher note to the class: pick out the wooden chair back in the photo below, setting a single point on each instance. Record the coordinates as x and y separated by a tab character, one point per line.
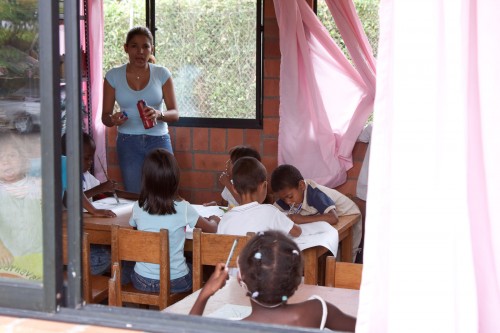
343	274
210	249
94	287
133	245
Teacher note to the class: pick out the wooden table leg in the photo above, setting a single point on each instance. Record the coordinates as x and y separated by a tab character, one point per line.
346	246
310	266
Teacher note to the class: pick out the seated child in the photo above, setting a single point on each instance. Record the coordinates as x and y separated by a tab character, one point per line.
21	234
305	201
229	194
161	207
270	270
250	181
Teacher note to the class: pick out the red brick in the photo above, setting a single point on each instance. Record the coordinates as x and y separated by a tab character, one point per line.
197	180
272	68
271	28
271	126
269	9
359	151
271	147
234	138
185	160
200	139
271	107
186	194
253	138
201	197
271	48
182	140
217	140
210	162
270	162
271	87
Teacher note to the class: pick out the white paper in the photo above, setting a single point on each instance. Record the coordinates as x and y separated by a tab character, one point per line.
231	312
318	234
111	204
207	211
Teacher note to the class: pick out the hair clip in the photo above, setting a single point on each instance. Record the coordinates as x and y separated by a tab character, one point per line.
260	233
284	298
257	255
255	294
295	252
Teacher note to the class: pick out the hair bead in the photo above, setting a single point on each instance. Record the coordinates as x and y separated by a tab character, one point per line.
284	298
257	255
255	294
295	252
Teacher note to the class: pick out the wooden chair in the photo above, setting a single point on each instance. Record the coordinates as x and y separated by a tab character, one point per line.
94	287
342	274
210	249
151	247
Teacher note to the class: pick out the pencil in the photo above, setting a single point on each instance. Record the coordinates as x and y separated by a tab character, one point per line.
106	174
231	253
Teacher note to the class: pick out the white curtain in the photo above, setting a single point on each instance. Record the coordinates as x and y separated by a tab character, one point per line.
432	241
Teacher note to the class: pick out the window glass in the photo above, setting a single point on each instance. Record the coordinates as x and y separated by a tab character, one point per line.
21	235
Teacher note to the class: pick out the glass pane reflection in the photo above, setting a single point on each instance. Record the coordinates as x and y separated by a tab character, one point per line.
20	183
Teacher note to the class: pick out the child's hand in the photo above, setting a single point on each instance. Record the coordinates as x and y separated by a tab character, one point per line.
108	186
6	258
214	218
211	203
216	281
102	213
225	180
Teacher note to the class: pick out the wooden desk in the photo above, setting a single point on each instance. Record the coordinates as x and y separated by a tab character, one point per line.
346	300
311	266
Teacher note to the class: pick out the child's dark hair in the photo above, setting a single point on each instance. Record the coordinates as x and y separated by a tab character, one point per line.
248	174
160	183
285	176
271	267
139	30
243	151
86	140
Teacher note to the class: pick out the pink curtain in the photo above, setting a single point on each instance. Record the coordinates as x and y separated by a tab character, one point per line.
96	28
324	100
432	240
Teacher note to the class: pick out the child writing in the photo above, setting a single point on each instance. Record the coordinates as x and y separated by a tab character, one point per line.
160	207
270	270
305	201
21	241
250	182
229	194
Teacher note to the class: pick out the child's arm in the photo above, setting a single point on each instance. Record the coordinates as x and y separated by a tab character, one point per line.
6	258
94	211
104	187
216	281
226	181
208	225
339	321
296	231
127	195
330	217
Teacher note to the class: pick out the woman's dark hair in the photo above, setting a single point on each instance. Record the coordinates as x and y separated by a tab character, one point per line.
160	183
248	174
271	266
285	176
243	151
139	31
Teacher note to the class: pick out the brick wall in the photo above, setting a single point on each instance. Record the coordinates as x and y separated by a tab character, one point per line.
202	152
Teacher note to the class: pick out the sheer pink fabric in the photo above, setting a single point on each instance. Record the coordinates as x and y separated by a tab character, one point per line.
96	28
432	239
324	101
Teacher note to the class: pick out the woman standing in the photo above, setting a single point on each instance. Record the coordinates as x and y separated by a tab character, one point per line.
128	84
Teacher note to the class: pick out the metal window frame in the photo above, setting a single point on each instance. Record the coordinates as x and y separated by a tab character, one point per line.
255	123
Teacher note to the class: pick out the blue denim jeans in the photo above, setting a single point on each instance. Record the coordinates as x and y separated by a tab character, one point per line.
132	150
100	258
179	285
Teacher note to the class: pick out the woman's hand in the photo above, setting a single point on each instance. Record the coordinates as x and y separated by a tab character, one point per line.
118	118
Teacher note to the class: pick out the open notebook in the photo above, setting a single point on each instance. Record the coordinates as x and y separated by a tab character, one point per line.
111	204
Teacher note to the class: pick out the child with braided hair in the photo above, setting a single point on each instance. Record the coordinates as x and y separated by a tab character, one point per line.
270	271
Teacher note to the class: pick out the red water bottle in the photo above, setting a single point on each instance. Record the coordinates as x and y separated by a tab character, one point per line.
141	106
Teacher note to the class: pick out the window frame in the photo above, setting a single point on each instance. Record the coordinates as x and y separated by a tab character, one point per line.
240	123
